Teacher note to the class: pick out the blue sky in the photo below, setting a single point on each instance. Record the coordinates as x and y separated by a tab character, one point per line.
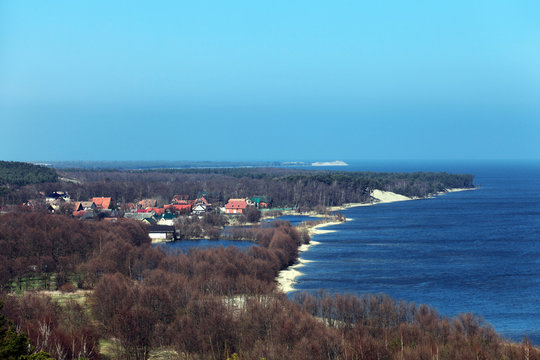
282	80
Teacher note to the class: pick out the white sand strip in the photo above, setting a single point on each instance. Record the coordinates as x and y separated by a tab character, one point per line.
287	277
316	230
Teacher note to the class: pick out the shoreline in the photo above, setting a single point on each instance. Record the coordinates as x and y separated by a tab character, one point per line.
287	277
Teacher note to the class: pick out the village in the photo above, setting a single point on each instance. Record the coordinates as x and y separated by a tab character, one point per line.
159	218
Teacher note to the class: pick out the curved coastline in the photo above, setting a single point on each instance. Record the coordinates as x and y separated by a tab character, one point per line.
287	277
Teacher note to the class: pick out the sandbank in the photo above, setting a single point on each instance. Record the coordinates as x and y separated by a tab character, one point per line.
287	278
316	230
377	197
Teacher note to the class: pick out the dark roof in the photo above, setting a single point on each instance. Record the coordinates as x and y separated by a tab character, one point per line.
160	228
55	195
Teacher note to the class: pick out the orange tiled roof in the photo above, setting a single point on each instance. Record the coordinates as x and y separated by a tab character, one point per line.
203	199
236	204
102	202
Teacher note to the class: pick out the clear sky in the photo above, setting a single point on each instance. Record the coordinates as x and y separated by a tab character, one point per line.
276	80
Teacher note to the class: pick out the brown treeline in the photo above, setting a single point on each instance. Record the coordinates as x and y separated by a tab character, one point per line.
212	303
286	187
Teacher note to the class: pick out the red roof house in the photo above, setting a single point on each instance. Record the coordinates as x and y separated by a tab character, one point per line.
236	206
84	206
102	202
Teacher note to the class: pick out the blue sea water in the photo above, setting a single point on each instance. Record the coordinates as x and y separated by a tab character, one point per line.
473	251
294	220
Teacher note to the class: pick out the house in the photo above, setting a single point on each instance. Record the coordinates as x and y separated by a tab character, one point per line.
34	204
102	203
261	202
201	206
84	209
166	219
236	206
200	209
84	206
161	233
57	196
202	201
53	208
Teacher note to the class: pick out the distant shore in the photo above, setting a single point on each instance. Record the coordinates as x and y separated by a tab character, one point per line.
287	277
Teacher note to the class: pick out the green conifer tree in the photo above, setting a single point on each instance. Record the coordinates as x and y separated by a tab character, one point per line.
14	345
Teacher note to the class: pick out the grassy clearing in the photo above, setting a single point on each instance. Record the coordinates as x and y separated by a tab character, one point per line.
38	282
80	296
111	349
164	354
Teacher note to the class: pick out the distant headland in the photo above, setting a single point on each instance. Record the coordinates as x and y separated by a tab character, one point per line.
330	163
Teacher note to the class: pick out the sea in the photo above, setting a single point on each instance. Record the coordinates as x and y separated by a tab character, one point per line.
472	251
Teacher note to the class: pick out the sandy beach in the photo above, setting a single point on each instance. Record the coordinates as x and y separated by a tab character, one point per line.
287	278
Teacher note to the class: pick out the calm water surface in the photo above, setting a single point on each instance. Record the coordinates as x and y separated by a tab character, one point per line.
473	251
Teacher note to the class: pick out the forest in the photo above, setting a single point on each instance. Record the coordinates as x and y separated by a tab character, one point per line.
219	303
16	174
288	188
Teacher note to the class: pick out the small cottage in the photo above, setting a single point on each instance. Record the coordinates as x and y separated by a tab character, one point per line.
236	206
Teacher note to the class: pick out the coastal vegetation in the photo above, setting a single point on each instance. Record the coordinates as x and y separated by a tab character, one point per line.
288	188
135	300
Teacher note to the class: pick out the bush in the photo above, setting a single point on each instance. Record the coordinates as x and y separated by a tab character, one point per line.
67	288
253	214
